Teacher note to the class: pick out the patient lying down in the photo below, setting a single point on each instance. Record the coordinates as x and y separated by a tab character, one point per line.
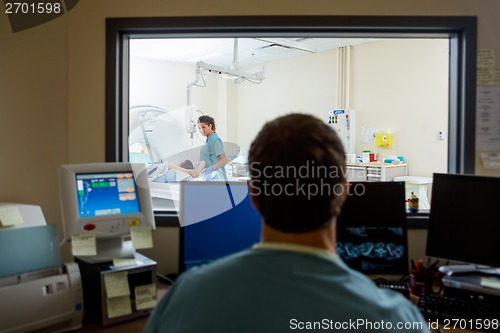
172	173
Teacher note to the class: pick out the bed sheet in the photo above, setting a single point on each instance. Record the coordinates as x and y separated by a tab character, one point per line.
169	191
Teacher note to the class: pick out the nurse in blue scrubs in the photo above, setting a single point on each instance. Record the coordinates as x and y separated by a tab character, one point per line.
212	156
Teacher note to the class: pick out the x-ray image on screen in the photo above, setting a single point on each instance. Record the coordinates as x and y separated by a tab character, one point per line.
372	248
371	229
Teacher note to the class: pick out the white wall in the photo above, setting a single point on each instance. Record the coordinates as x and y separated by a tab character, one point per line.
304	84
151	83
403	85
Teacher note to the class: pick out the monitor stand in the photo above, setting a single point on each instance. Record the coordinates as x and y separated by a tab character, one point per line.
469	269
109	249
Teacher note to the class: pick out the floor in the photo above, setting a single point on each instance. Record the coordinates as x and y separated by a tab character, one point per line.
133	326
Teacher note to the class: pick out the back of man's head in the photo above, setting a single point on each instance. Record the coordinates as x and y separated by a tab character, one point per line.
297	165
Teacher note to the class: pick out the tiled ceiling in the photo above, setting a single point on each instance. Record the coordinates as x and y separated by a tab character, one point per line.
221	51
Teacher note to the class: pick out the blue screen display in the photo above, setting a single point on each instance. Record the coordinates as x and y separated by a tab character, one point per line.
236	228
106	194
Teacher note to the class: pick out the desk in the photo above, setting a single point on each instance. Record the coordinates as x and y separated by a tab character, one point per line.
94	288
91	325
447	326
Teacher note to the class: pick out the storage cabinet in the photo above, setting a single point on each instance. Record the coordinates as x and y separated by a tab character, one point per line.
375	172
96	296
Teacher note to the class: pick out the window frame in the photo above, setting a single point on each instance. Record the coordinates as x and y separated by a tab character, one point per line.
461	31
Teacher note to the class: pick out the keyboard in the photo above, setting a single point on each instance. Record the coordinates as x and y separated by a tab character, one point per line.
460	313
399	286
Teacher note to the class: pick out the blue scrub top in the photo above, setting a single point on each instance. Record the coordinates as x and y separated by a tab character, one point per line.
280	291
211	151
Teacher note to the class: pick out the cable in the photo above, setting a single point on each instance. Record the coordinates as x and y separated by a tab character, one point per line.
165	279
254	82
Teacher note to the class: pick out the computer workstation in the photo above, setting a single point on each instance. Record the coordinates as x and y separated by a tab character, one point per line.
463	228
103	206
105	201
218	219
372	231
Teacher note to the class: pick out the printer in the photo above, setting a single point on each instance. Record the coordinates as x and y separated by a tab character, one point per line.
37	291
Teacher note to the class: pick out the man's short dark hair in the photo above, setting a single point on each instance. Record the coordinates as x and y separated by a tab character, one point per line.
297	169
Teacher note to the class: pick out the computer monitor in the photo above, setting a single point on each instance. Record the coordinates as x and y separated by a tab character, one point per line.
217	220
105	200
371	229
463	222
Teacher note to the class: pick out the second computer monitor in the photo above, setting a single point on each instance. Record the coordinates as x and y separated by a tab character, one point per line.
463	223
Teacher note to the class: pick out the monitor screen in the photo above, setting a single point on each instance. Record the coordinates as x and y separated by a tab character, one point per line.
463	222
101	194
104	199
371	229
218	219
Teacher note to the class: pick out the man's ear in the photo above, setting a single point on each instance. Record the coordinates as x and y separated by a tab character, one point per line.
345	191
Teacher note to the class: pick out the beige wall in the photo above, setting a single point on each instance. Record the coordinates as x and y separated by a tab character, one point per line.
52	79
402	85
33	114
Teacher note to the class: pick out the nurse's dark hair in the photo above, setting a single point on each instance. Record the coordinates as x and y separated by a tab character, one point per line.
206	119
297	171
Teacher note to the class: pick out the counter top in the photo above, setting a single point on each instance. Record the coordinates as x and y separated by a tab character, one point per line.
376	164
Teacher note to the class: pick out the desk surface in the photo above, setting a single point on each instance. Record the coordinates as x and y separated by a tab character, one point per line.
376	164
138	325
